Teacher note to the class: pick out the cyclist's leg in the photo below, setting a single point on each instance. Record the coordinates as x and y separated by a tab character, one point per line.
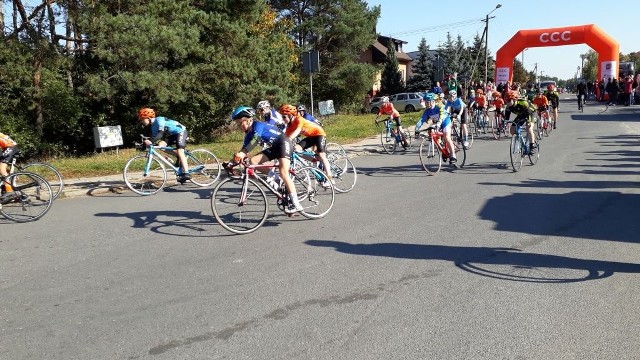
530	133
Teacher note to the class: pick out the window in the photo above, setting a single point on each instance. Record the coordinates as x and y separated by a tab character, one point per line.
401	97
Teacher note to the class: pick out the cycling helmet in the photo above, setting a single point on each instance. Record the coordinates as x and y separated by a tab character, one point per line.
287	109
430	97
441	95
263	104
551	87
242	111
385	99
301	108
479	91
511	95
146	113
453	93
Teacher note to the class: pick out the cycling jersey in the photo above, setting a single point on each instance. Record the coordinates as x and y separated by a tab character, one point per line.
480	100
274	118
311	118
6	141
388	109
436	115
499	103
307	128
261	133
523	110
457	106
553	97
541	101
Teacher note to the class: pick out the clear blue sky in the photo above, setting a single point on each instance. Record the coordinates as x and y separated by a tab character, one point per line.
411	20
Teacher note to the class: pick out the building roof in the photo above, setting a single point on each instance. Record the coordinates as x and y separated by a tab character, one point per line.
383	49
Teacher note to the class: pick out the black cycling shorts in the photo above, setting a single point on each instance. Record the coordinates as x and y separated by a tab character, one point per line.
279	150
178	140
8	154
318	141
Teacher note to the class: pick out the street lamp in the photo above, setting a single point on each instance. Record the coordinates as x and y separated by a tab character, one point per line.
486	43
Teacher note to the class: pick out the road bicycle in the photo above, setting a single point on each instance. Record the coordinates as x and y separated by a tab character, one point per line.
519	148
29	199
240	204
433	150
479	122
390	137
146	174
498	126
344	173
456	132
48	172
543	123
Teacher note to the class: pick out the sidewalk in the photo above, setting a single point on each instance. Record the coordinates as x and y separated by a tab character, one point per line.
96	186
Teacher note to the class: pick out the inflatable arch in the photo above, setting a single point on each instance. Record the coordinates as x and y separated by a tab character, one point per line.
608	49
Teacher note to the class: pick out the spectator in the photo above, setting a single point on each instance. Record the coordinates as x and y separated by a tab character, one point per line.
601	89
627	85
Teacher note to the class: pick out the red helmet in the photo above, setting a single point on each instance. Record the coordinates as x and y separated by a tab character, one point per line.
550	87
146	113
287	109
511	95
479	91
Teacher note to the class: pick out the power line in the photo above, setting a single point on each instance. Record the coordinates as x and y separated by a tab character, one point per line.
439	27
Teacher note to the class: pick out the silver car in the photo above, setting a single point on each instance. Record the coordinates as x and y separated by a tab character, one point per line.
407	102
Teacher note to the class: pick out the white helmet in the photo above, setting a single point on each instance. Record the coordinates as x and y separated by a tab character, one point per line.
385	99
453	93
263	104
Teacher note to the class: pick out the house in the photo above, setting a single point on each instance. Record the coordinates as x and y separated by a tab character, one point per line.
377	53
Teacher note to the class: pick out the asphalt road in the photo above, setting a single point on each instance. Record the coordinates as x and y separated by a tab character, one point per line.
476	263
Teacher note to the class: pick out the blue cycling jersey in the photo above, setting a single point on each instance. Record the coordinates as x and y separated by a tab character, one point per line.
274	118
456	105
261	133
163	126
310	118
437	115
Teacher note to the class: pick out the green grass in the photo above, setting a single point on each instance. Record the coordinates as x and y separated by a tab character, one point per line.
343	129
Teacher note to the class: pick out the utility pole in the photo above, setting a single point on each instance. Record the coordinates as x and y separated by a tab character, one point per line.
486	43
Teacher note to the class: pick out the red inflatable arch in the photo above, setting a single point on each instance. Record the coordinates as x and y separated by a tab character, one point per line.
608	49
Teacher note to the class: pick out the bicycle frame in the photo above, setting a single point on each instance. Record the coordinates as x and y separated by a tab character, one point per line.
251	171
152	151
436	136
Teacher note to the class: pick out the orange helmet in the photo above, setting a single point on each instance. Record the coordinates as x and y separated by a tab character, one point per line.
287	109
496	94
146	113
511	95
479	91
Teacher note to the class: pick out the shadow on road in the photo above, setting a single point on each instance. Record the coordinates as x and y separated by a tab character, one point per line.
500	263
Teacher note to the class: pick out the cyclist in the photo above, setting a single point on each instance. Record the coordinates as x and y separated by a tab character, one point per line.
434	115
554	100
388	109
175	134
9	150
523	110
455	106
531	92
542	103
314	134
479	103
498	102
269	115
302	111
277	144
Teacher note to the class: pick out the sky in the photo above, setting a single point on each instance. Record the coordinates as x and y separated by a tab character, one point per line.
412	20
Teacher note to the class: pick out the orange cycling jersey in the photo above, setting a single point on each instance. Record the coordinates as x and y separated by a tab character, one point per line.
499	103
6	141
307	128
480	100
388	109
541	101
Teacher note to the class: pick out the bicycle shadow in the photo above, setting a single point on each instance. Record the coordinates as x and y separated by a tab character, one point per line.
500	263
178	223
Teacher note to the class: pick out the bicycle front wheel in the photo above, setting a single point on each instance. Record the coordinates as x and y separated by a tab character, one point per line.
141	181
388	141
49	173
430	156
30	200
204	167
238	211
345	178
315	193
533	158
515	152
336	155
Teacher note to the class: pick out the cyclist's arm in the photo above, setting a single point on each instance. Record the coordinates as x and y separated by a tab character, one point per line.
423	118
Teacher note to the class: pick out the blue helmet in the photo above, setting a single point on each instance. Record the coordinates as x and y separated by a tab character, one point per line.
431	97
242	111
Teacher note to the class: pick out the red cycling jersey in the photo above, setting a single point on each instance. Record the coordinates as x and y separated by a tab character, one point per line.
388	109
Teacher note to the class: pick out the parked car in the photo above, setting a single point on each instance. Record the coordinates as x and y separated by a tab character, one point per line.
407	102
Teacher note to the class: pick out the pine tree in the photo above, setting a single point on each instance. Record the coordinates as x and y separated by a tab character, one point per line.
422	69
391	79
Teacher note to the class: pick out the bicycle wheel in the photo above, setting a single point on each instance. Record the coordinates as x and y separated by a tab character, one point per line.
476	126
336	155
235	212
539	125
204	167
388	141
546	126
344	178
430	156
533	158
49	173
461	153
515	152
30	200
138	182
315	194
408	138
495	129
